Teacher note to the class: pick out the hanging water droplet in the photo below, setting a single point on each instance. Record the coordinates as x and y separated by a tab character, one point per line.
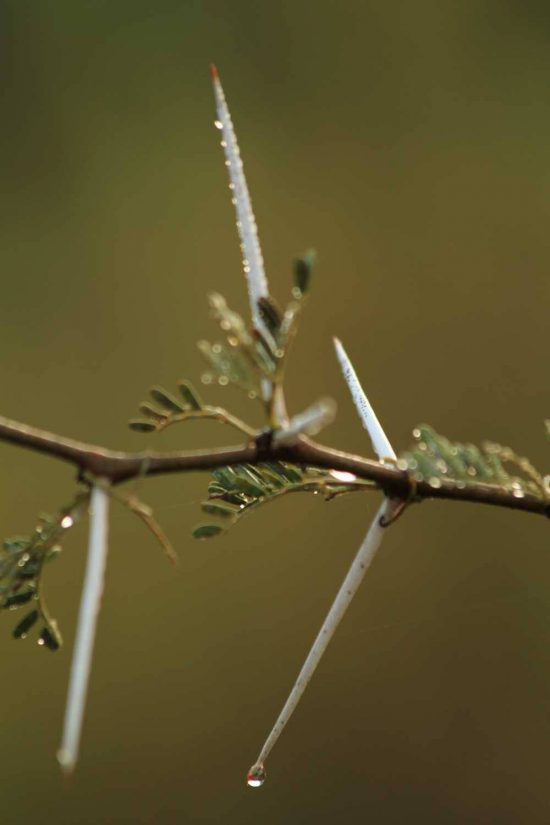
416	433
66	522
223	143
518	493
223	380
255	777
434	482
41	641
461	485
342	475
218	124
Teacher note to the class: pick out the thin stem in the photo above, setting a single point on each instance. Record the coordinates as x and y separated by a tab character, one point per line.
212	413
337	611
85	634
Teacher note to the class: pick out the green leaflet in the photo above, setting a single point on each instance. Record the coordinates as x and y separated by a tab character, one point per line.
237	490
434	458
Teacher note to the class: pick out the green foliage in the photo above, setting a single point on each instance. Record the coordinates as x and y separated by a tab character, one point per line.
236	491
169	409
434	458
22	560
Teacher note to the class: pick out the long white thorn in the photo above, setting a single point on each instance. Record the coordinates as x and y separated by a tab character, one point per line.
253	263
380	441
347	591
87	620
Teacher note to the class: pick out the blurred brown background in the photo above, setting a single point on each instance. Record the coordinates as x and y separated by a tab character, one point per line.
410	144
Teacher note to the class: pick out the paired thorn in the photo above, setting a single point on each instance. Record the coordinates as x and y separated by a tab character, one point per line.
253	263
380	441
92	592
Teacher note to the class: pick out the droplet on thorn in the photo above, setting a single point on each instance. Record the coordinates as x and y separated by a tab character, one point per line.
255	777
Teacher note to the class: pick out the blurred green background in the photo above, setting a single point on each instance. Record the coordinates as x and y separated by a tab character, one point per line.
409	144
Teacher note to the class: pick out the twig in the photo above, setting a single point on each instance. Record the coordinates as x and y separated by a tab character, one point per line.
85	634
119	467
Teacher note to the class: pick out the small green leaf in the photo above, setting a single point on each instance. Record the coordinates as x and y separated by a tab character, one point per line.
166	400
152	412
243	485
270	313
206	531
51	637
21	629
218	510
19	598
140	425
190	395
302	270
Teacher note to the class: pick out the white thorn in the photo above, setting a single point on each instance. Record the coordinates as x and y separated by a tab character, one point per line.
347	591
380	441
246	223
92	591
309	422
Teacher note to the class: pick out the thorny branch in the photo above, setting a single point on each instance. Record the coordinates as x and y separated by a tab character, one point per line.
118	467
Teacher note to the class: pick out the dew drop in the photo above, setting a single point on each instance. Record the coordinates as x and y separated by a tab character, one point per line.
461	485
252	394
518	493
218	124
223	144
225	325
434	482
255	777
41	641
416	433
66	522
217	349
206	378
341	475
223	380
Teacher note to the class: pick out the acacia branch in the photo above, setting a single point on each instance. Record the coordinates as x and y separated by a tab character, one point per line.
118	467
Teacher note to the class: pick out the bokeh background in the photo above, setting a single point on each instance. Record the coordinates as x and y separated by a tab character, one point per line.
409	144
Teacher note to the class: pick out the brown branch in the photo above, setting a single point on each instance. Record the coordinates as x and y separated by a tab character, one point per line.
119	467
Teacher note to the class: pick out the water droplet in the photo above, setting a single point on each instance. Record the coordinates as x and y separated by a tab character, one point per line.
246	269
228	163
231	186
252	394
341	475
218	124
441	466
402	464
206	378
225	325
217	348
66	522
296	293
518	493
434	482
461	485
255	777
223	380
471	471
223	144
416	433
41	641
279	353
